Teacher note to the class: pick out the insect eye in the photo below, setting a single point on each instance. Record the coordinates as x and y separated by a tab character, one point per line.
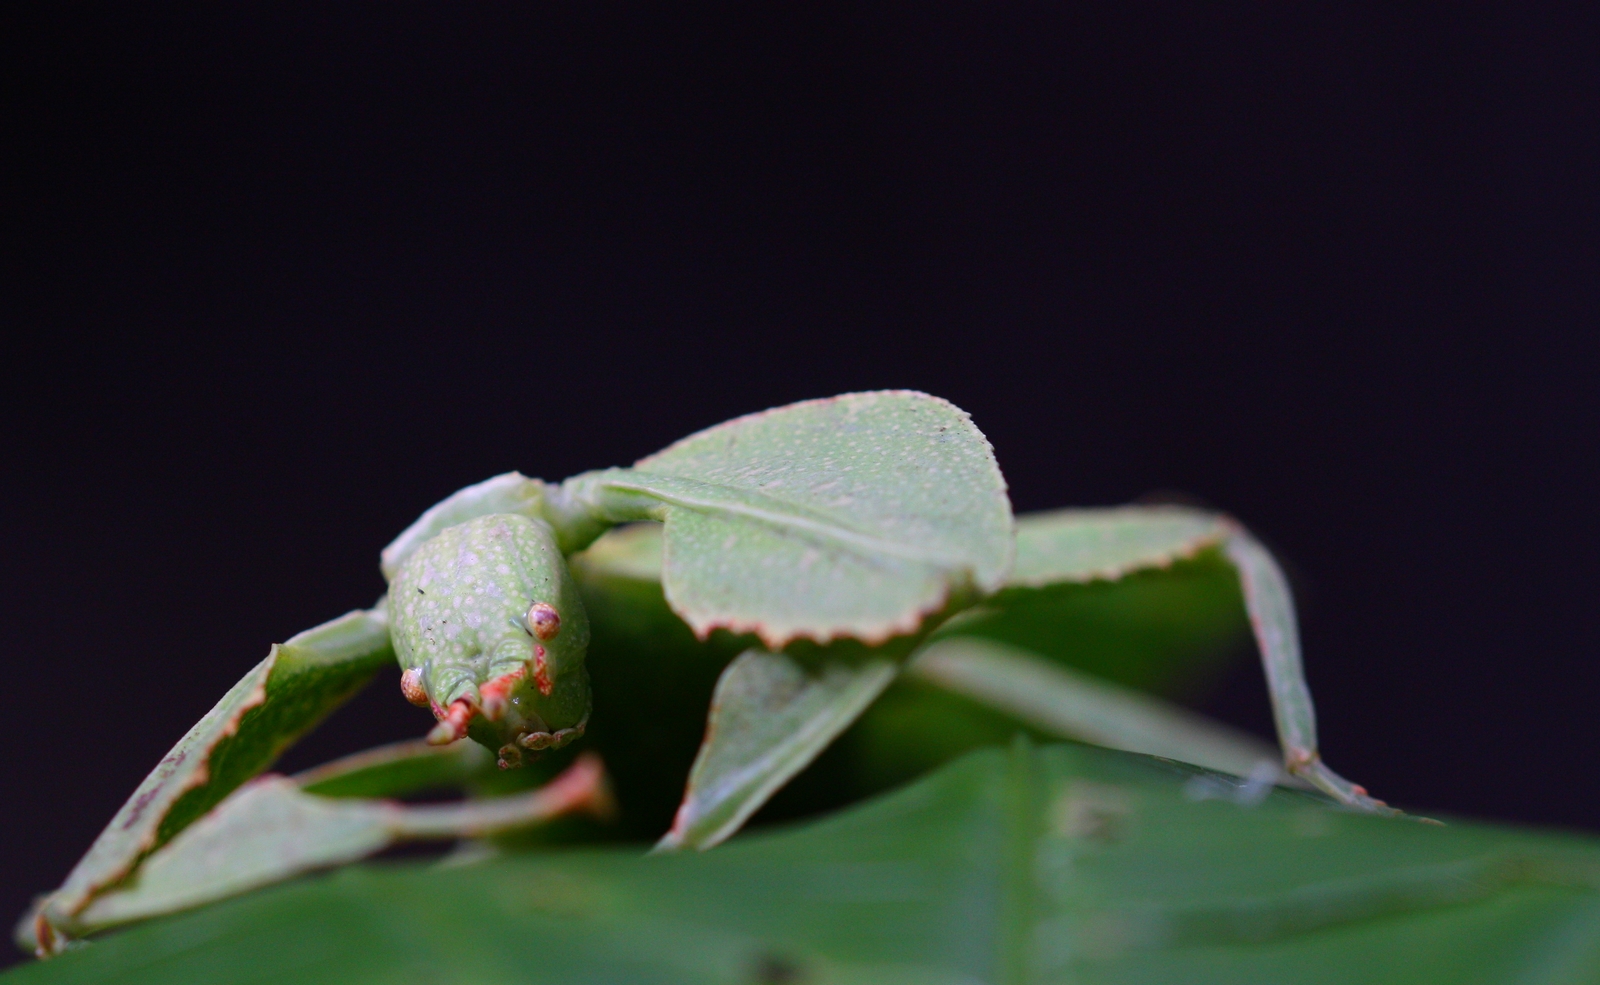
411	687
544	621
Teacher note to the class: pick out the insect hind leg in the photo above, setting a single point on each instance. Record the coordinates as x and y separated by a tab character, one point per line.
1271	607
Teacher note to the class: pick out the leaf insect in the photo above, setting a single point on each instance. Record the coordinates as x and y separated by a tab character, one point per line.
841	535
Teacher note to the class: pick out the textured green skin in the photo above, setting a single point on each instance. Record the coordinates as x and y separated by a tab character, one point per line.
457	608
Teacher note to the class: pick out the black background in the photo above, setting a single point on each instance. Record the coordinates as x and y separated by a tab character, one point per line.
282	278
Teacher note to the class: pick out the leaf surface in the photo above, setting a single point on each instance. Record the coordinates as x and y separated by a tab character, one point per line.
855	516
770	717
1066	864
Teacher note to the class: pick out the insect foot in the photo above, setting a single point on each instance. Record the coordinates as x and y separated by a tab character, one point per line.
491	631
552	740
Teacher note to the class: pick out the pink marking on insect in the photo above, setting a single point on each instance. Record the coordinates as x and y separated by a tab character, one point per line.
44	936
452	723
497	693
541	672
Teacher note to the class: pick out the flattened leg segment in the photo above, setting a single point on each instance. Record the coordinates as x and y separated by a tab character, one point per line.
274	828
288	693
1271	606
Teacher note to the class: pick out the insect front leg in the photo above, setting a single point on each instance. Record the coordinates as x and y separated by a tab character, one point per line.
299	683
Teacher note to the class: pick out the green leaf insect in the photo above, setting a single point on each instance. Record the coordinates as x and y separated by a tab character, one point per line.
816	565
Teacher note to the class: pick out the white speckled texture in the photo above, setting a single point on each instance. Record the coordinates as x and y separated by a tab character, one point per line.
853	516
457	607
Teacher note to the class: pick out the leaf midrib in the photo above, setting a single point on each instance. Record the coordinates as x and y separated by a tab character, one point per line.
785	516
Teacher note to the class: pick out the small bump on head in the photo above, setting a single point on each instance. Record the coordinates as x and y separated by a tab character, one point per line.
544	621
411	687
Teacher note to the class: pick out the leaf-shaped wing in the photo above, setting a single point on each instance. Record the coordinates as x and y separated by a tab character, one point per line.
854	516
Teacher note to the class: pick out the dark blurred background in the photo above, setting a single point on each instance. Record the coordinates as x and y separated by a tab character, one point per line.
280	278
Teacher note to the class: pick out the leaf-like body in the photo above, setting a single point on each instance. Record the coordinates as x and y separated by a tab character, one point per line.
1066	864
855	516
1152	628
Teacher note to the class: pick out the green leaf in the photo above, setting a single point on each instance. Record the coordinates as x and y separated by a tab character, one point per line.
1073	705
769	718
295	687
855	516
1067	864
